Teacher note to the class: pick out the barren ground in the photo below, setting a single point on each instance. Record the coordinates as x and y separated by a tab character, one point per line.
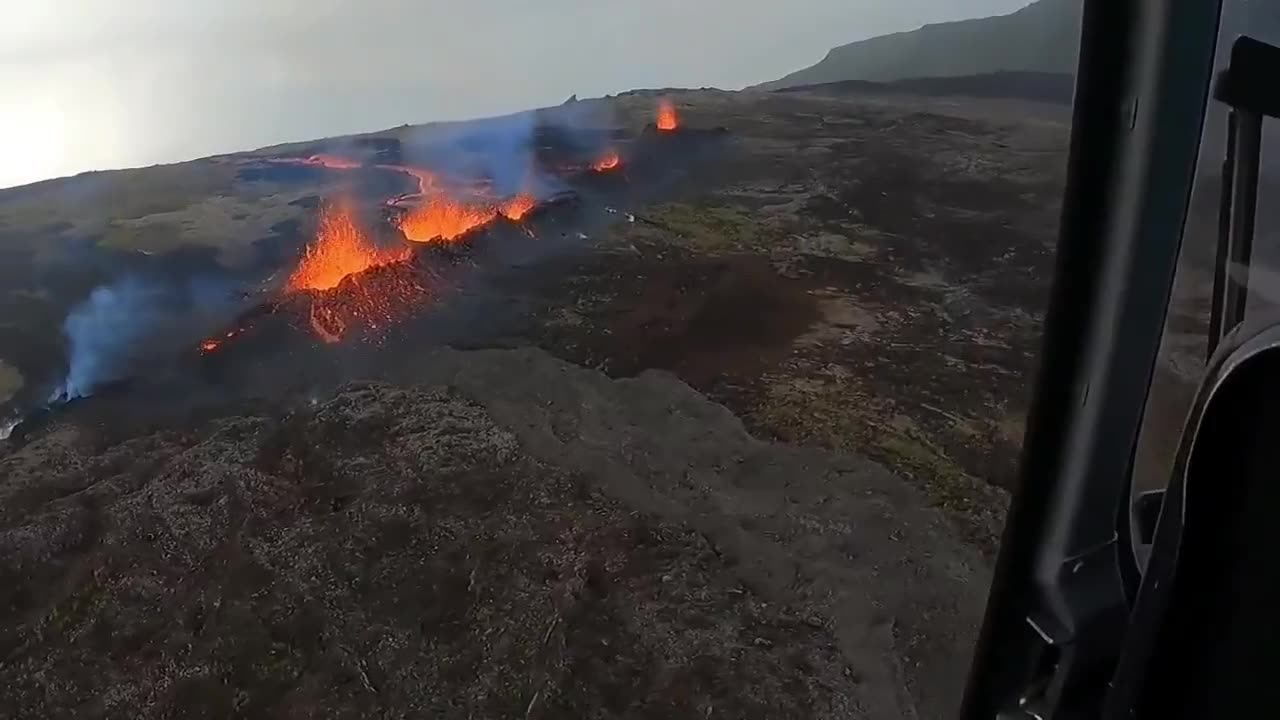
737	453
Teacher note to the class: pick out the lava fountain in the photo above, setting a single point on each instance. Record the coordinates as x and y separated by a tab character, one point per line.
440	218
345	283
668	121
517	207
340	249
443	219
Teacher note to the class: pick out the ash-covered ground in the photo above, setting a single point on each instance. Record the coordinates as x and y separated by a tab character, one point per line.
725	436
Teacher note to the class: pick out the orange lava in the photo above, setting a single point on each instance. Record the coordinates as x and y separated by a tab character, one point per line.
339	250
518	206
441	218
667	118
210	344
607	162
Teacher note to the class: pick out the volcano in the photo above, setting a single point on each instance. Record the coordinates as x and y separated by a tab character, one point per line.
346	284
517	470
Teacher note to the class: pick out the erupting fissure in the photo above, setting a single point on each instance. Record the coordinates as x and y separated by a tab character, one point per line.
352	284
347	283
340	249
668	121
443	219
517	207
440	218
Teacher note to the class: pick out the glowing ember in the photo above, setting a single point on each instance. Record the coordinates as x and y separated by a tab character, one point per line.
443	219
209	345
340	249
607	162
667	119
518	206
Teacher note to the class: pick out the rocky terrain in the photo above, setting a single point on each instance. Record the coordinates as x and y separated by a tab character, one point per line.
523	539
738	448
861	273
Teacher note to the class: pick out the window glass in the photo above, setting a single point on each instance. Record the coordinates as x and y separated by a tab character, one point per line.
544	360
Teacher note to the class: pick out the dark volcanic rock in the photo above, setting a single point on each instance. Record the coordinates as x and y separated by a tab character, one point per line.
527	539
1058	88
392	552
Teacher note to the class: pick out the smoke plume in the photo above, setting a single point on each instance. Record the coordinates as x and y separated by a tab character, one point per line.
121	324
503	150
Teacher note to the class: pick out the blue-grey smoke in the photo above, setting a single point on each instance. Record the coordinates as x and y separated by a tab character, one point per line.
120	326
503	150
499	150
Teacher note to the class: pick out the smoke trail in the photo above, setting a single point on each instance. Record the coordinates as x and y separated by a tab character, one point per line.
503	150
112	331
102	332
8	426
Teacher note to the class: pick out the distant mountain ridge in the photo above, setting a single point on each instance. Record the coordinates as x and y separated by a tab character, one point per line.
1056	88
1043	37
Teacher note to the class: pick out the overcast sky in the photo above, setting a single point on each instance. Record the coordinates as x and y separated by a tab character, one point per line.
92	84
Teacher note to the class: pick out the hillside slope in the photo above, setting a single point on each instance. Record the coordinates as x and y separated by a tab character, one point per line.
521	538
1042	37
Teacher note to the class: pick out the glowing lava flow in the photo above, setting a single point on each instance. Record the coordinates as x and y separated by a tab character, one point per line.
667	119
517	207
433	216
608	161
340	249
443	219
346	282
440	218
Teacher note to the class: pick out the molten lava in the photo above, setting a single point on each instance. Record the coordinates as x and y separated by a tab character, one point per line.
346	284
517	207
445	219
333	275
211	344
608	161
340	249
668	121
440	218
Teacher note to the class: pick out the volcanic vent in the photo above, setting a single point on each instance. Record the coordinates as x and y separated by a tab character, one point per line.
400	222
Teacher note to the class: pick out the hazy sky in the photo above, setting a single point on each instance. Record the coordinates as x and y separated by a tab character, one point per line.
91	84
